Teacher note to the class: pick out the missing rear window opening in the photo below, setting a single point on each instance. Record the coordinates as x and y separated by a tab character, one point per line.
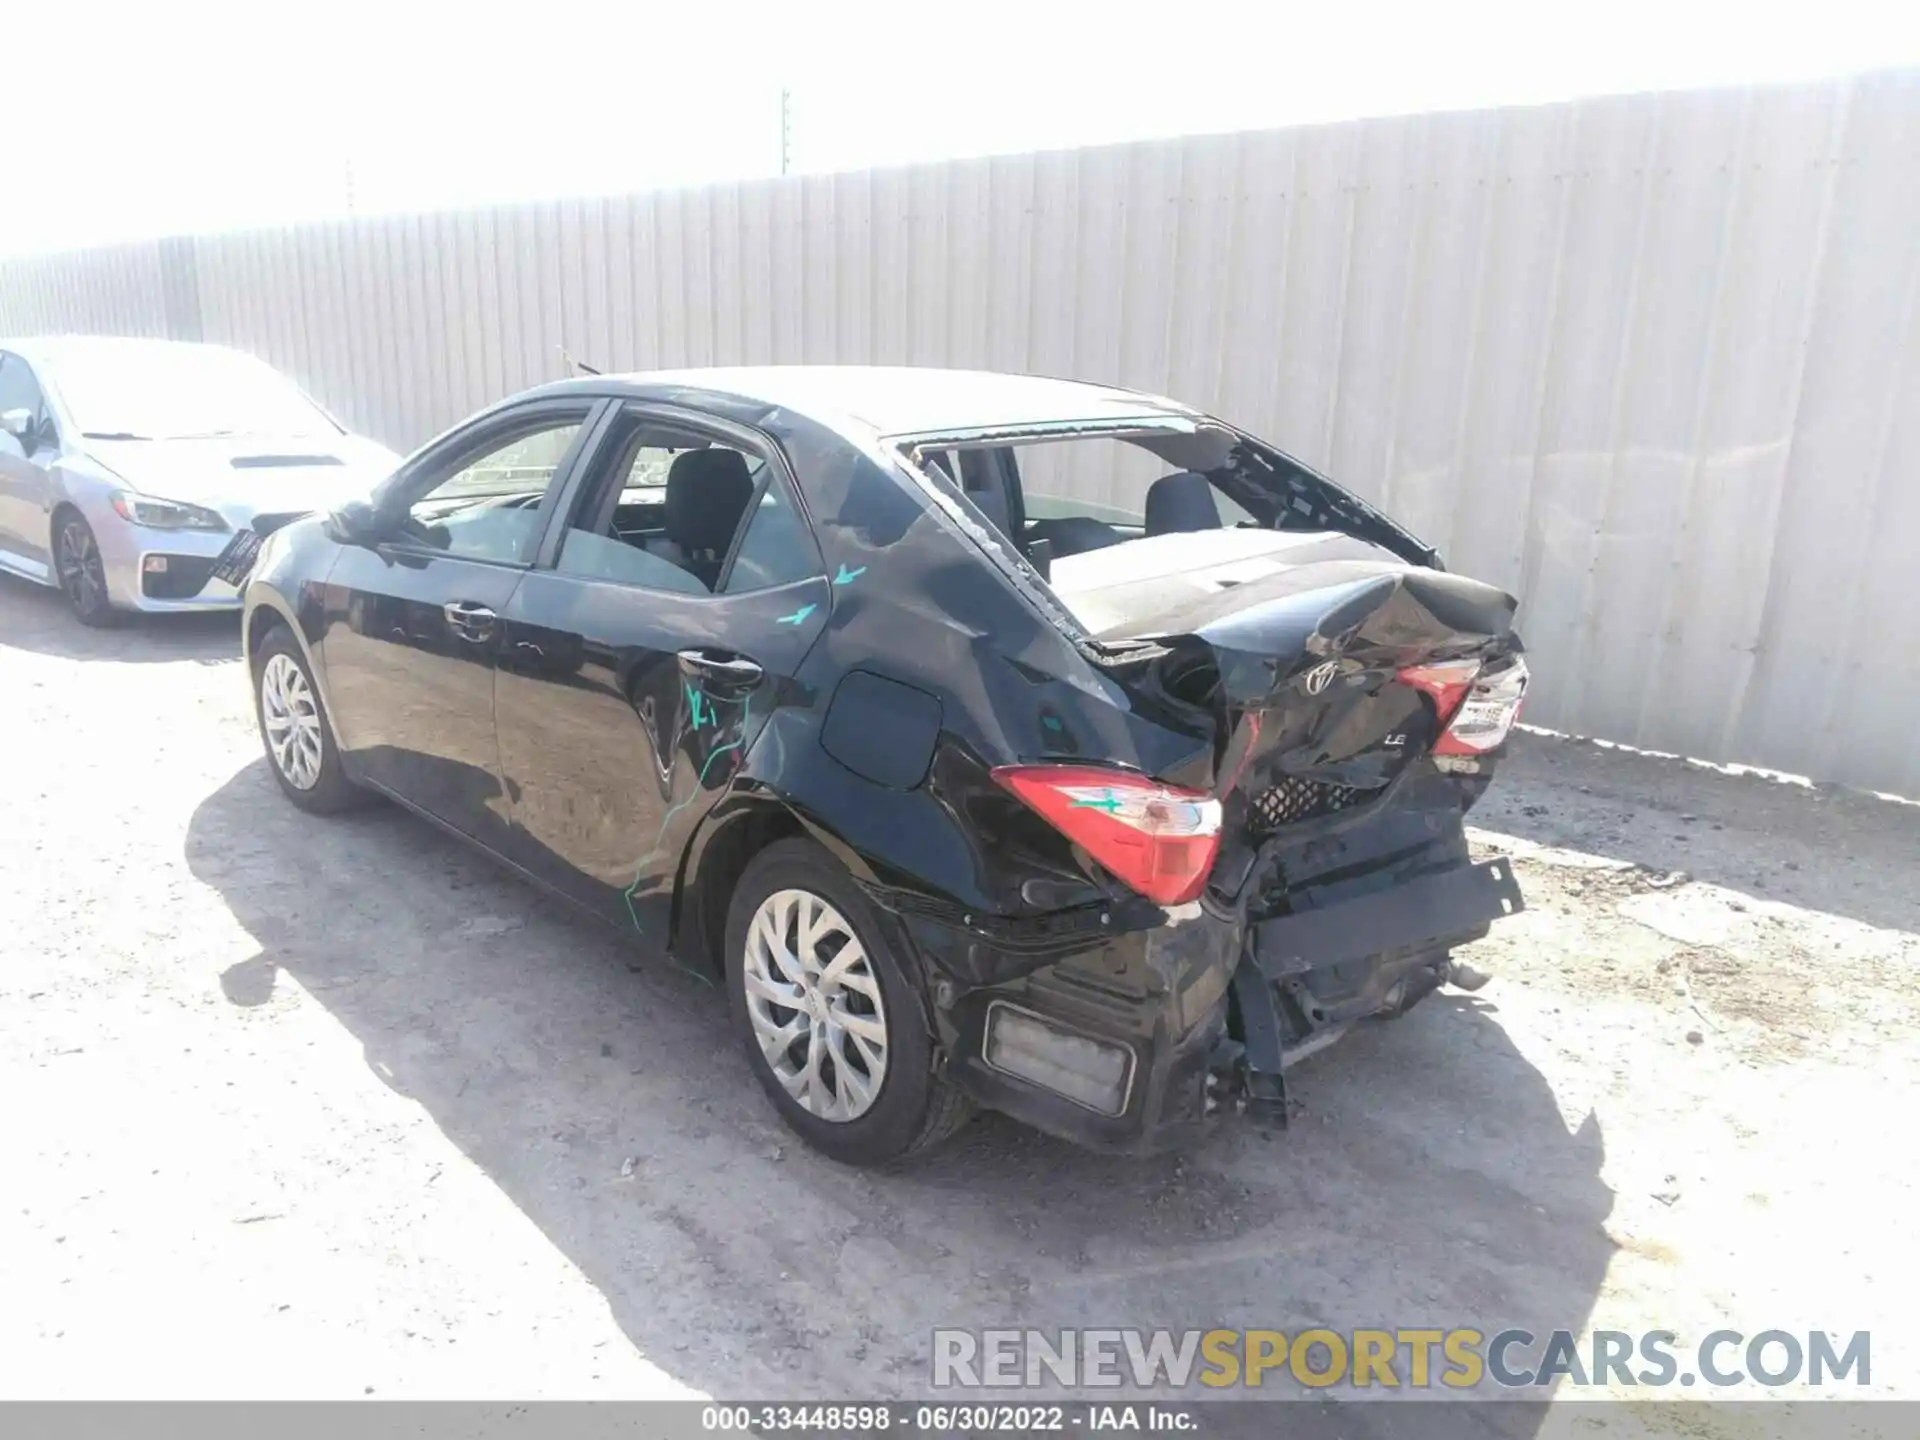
1125	524
1093	491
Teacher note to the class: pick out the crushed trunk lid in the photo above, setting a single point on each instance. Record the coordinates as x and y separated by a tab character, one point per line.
1303	675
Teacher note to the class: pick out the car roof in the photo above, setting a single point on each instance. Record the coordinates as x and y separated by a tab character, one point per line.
905	400
56	348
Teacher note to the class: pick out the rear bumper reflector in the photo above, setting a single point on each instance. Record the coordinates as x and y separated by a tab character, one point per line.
1086	1071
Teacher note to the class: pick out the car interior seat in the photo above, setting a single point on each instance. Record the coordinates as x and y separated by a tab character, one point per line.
708	492
1075	534
1061	535
1180	502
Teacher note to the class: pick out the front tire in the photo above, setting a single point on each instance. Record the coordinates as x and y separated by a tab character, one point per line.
81	572
295	730
828	1013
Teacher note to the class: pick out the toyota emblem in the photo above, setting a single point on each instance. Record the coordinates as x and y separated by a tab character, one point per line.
1321	676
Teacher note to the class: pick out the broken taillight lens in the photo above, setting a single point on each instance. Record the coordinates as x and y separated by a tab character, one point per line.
1446	684
1158	839
1478	710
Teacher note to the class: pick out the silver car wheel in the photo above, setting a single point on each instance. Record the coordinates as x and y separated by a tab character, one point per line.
815	1005
291	721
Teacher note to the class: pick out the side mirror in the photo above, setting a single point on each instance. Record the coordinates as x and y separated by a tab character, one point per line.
354	523
17	423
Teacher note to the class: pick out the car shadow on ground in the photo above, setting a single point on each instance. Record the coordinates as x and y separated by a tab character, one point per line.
38	620
1773	839
1428	1179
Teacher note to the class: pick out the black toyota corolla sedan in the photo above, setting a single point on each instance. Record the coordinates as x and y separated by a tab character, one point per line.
997	740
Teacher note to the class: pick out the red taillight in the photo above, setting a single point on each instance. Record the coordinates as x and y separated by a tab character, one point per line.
1445	684
1159	839
1476	709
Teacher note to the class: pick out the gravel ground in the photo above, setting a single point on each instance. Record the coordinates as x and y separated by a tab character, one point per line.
333	1108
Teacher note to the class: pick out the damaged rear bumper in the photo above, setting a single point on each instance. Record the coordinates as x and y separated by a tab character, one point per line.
1385	950
1083	1020
1134	1045
1456	902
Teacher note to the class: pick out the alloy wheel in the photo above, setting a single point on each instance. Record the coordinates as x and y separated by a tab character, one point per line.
815	1006
82	575
291	720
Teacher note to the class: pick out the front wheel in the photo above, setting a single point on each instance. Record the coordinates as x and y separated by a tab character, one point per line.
295	730
81	573
830	1019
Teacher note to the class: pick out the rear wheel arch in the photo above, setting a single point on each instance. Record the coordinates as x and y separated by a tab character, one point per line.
726	844
719	855
858	866
917	1105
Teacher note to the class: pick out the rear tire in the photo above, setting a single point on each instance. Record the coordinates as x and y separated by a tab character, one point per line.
295	730
856	1078
80	573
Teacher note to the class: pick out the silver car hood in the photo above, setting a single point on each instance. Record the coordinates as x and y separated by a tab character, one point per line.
246	475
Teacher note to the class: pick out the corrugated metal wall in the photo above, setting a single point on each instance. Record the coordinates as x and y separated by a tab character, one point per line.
1651	362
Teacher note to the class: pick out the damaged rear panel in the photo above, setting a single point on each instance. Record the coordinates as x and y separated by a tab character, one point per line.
1352	695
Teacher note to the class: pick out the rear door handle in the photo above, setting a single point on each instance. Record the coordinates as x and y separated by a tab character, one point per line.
470	621
720	669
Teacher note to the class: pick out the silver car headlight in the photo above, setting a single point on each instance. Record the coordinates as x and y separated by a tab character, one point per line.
157	514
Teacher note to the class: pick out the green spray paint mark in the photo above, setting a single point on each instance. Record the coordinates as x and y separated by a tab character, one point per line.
660	841
1106	802
846	576
695	703
797	616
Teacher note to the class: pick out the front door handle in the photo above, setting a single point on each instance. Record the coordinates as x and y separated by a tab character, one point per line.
720	670
470	621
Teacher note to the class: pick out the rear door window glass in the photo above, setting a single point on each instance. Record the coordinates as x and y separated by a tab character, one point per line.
777	547
673	508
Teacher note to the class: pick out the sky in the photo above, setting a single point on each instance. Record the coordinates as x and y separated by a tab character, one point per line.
199	116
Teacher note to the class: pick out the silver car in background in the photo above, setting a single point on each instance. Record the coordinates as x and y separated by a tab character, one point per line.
127	465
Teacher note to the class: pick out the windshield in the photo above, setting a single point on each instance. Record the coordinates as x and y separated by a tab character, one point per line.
180	392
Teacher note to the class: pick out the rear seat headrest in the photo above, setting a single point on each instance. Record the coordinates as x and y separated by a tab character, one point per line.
1180	502
707	493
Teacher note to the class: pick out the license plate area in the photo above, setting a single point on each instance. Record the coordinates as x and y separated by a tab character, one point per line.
235	562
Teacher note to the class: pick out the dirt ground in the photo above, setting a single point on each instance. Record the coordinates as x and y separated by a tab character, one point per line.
334	1108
